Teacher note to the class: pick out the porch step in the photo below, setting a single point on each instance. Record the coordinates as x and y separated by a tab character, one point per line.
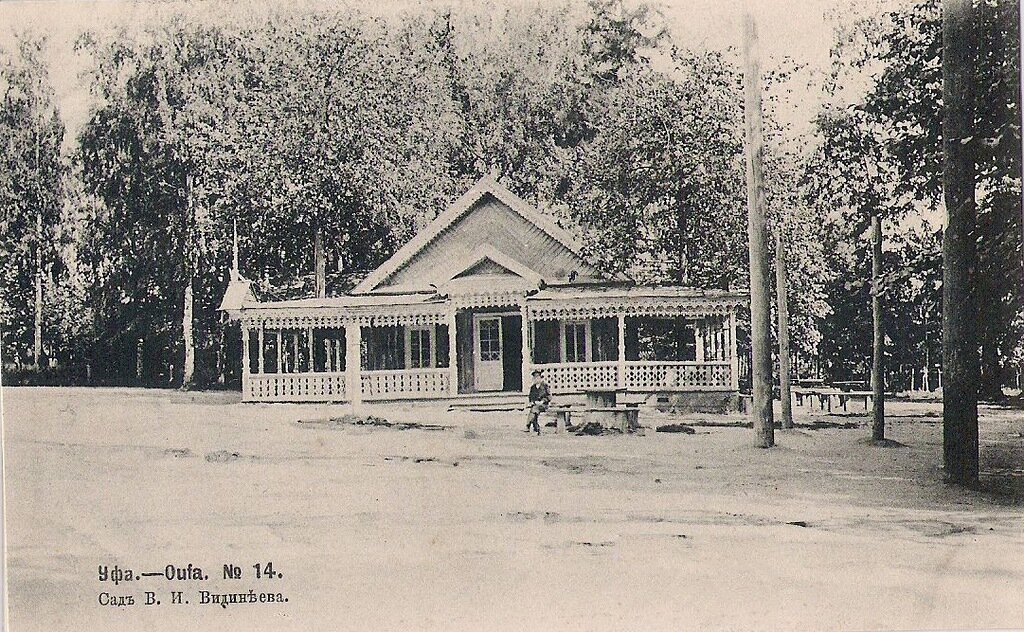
483	402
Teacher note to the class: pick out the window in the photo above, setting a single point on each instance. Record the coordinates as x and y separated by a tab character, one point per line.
419	348
575	336
490	339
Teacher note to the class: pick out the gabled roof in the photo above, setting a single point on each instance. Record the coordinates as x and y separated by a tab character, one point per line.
238	294
486	185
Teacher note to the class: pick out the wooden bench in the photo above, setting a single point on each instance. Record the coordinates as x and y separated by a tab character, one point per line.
562	414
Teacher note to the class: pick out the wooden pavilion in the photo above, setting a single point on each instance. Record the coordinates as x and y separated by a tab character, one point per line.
487	292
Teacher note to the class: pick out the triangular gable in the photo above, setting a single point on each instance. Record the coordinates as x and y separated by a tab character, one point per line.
487	188
487	267
487	260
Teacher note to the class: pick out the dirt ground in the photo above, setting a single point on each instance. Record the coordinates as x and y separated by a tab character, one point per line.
480	526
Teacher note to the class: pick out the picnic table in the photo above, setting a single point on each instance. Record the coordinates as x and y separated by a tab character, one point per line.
602	407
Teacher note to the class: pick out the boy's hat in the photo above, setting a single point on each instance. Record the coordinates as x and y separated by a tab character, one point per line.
536	372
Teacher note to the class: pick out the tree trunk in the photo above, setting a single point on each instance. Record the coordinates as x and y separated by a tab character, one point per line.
878	333
320	263
37	342
37	338
188	372
959	249
781	286
760	289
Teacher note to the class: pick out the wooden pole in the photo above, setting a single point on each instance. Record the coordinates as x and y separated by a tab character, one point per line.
312	364
620	371
781	287
760	290
527	359
353	360
320	263
878	333
453	353
246	363
734	356
960	362
280	350
260	349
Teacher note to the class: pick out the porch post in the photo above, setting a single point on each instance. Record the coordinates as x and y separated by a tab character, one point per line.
698	337
527	359
279	350
734	367
453	354
261	341
295	352
621	369
353	374
312	364
245	361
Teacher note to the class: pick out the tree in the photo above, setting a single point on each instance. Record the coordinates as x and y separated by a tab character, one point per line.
760	315
856	172
31	182
900	51
959	342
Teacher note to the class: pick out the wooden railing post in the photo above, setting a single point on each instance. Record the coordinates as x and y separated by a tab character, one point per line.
621	368
280	351
699	327
734	368
453	354
246	367
527	360
312	364
259	361
353	360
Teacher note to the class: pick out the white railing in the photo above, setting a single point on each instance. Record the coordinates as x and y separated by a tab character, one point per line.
568	377
405	383
655	375
293	387
683	376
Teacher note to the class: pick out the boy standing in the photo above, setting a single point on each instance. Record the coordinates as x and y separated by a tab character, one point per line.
540	397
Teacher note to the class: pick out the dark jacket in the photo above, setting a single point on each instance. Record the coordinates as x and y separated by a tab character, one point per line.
540	393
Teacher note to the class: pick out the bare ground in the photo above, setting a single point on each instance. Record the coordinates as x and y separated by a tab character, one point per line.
478	526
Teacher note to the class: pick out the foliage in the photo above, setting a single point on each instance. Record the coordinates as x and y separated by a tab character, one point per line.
31	190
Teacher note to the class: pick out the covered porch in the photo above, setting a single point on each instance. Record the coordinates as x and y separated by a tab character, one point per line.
355	349
651	340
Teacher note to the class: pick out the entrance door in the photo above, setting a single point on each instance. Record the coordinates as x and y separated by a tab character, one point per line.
488	367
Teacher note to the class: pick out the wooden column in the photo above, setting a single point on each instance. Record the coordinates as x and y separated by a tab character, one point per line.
280	348
312	364
621	369
453	354
699	326
527	356
295	352
353	374
246	363
259	360
734	356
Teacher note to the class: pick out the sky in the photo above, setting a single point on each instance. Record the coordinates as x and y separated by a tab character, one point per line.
799	29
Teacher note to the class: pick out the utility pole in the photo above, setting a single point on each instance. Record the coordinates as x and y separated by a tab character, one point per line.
960	362
760	288
781	285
